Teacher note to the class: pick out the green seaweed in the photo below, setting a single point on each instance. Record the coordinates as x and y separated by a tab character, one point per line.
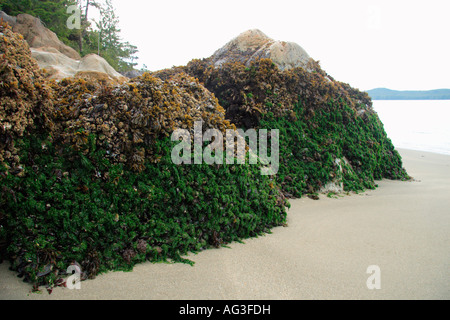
329	132
81	208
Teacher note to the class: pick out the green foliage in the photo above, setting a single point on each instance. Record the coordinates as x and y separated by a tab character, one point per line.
310	146
107	217
329	132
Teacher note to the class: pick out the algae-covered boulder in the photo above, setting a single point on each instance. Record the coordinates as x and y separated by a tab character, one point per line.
331	139
99	190
86	166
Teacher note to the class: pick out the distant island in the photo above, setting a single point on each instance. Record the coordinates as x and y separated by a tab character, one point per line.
387	94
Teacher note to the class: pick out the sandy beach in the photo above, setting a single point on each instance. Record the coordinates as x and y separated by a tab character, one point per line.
324	253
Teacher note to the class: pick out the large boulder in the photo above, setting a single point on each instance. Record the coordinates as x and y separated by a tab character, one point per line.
331	139
59	60
93	62
37	35
55	64
58	66
94	163
7	18
254	44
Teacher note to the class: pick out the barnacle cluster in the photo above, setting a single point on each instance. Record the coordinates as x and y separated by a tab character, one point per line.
249	91
26	101
129	118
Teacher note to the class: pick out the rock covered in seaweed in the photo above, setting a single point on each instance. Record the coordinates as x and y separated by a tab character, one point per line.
98	189
26	100
129	118
330	134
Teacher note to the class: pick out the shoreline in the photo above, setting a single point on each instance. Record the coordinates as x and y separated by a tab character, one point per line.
423	151
403	227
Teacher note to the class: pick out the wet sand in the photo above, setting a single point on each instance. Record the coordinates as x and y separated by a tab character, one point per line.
402	227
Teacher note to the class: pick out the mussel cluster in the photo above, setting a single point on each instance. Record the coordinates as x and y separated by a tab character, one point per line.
247	92
129	118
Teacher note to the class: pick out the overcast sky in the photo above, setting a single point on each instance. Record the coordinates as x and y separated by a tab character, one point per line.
402	45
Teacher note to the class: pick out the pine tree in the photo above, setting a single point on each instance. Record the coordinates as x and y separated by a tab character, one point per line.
83	33
120	55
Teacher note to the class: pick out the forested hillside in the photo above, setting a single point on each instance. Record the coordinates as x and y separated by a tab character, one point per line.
100	36
387	94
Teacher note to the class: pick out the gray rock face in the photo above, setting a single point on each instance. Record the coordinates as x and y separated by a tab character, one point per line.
8	19
254	44
132	74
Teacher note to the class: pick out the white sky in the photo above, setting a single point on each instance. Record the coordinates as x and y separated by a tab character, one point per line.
401	45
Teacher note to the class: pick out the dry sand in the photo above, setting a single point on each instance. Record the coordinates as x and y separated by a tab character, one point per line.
324	253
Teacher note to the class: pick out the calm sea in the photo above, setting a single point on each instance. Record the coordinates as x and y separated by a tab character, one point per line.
416	124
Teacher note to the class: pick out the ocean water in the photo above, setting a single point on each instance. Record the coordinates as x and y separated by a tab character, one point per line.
416	124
